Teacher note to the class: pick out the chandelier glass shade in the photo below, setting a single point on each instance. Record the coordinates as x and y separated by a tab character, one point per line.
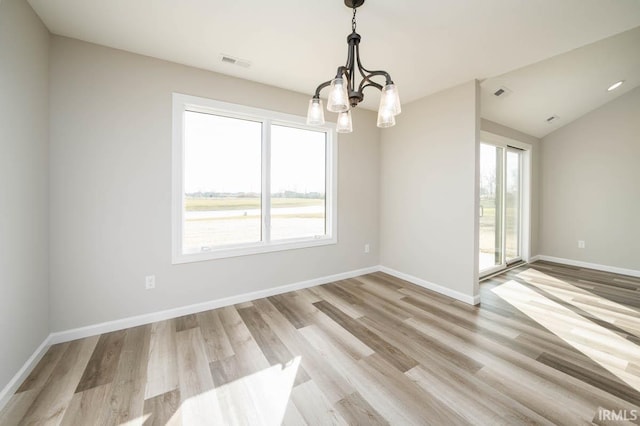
345	94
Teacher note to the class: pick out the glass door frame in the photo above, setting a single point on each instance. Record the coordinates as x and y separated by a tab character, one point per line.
525	151
510	261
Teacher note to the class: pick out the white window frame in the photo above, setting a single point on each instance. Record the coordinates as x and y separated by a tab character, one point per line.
182	103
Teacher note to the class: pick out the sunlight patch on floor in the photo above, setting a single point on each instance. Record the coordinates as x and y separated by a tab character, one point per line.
621	316
608	349
259	398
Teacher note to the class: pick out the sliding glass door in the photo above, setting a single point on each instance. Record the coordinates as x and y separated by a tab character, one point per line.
500	207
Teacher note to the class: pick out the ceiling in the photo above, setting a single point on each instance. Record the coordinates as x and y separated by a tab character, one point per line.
426	45
567	86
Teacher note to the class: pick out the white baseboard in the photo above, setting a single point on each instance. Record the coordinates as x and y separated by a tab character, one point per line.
534	258
471	300
107	327
23	373
596	266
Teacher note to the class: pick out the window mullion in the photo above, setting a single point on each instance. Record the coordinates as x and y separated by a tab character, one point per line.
266	181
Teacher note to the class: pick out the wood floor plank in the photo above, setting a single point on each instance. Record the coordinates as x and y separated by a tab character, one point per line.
345	340
459	392
470	320
186	322
371	390
236	392
41	372
334	385
162	367
372	301
250	357
422	347
272	347
216	340
198	403
381	288
225	371
407	395
395	357
17	407
104	360
163	410
389	397
260	387
87	408
285	304
126	400
357	411
342	294
350	309
314	406
50	404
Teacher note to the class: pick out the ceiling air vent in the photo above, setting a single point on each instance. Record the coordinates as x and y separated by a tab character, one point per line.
502	92
228	59
552	119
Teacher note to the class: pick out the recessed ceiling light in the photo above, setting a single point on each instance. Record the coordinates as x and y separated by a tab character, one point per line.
614	86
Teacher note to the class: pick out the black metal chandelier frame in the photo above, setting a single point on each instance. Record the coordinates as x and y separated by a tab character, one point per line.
353	60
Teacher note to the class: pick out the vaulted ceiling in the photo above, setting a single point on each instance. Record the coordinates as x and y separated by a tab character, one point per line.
426	45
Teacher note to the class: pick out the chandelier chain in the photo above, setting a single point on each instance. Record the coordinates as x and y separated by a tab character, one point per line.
353	20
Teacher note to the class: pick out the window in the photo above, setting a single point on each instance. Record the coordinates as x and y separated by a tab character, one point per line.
248	181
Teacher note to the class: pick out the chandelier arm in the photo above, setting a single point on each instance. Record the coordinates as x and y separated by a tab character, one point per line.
367	83
370	73
377	73
320	87
362	69
341	70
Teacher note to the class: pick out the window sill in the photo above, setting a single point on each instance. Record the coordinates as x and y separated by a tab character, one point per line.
247	250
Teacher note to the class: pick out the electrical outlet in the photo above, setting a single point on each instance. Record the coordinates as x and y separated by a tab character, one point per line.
150	282
580	243
367	249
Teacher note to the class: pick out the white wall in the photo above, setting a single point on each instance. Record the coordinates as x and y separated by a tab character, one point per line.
591	186
536	154
428	187
111	189
24	45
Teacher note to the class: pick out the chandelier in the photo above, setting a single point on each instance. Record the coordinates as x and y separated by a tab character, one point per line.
344	94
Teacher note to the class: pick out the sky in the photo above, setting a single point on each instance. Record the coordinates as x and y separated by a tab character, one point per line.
224	155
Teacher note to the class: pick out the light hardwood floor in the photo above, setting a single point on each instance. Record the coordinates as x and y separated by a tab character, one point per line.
548	344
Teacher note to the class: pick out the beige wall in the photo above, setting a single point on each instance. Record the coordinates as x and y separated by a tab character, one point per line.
111	190
591	187
24	45
428	187
536	155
